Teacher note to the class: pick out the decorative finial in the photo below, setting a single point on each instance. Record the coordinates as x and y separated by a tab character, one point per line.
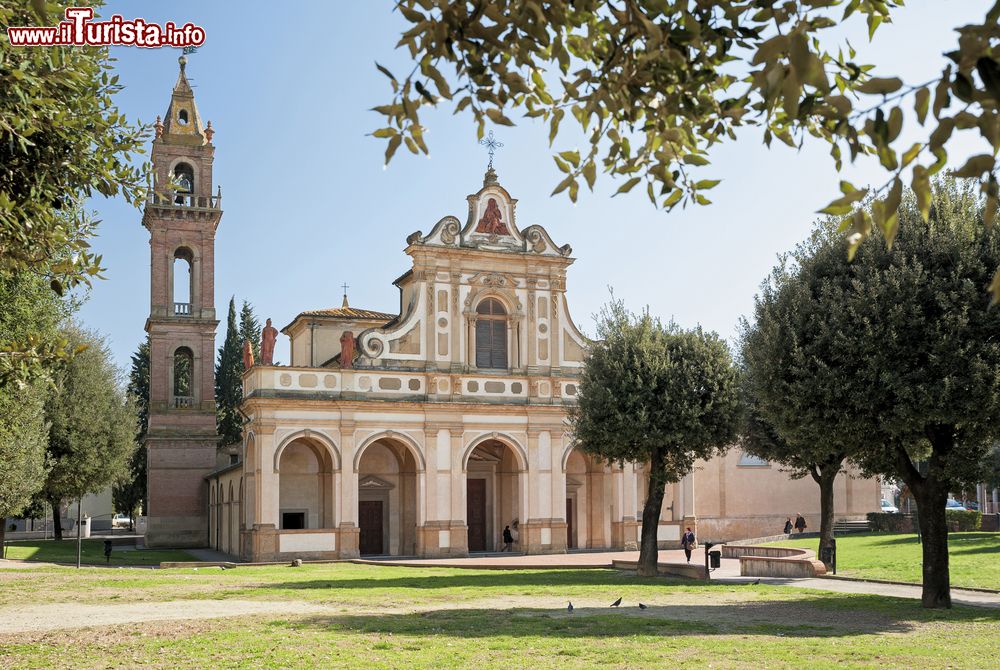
209	131
491	144
345	305
159	126
183	61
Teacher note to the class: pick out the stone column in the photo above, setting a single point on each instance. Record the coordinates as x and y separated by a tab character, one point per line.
349	536
459	528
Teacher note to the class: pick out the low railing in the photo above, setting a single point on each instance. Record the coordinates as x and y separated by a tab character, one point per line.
182	309
185	200
183	402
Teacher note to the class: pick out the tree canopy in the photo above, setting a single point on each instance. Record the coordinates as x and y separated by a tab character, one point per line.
655	394
894	355
229	383
92	424
654	84
62	140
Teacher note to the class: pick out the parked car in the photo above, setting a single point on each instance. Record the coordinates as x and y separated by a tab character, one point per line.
889	508
971	505
121	521
955	505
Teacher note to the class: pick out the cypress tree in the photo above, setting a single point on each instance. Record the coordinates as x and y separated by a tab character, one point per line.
228	386
249	330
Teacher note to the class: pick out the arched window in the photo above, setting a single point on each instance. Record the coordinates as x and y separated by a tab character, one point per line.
183	182
491	334
183	264
182	116
183	377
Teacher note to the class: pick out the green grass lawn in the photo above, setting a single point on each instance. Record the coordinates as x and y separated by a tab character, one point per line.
974	558
391	617
92	553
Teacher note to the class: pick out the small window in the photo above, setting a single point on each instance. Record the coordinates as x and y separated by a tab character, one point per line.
234	459
183	182
293	520
751	461
183	373
491	334
182	117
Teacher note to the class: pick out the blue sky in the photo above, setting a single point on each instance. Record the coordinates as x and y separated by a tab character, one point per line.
308	205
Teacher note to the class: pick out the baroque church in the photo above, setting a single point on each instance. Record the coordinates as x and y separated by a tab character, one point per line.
418	433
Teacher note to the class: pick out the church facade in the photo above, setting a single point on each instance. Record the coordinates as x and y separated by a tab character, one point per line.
428	431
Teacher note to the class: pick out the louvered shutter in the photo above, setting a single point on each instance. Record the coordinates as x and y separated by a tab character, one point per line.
484	330
498	352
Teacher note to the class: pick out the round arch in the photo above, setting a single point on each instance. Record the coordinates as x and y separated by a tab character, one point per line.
310	435
402	438
519	452
504	297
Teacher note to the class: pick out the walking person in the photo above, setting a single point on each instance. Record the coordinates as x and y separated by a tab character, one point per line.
688	542
788	526
800	523
508	539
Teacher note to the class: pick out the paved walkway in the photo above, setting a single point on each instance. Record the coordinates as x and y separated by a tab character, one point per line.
729	572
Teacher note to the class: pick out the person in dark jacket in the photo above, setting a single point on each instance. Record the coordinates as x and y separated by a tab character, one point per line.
788	525
800	523
688	542
508	539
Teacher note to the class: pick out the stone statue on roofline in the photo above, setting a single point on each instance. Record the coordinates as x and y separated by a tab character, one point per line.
347	350
268	336
247	355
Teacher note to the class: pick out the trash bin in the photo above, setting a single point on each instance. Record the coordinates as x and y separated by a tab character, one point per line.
715	559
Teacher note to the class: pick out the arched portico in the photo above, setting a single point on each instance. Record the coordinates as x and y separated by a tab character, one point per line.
305	465
495	469
390	471
588	501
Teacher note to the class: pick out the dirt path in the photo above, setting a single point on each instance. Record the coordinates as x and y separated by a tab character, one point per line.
56	616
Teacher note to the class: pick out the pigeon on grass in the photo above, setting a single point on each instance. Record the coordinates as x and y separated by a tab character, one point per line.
616	603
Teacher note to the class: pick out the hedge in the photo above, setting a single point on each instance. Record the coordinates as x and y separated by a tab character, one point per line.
964	520
886	522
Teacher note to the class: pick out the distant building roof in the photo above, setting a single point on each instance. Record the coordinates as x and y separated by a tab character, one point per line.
350	313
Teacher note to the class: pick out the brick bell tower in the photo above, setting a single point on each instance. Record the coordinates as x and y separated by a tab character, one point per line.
181	215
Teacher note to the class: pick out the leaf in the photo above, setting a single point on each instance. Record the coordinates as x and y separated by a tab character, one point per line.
674	198
989	72
995	288
590	174
394	142
497	117
920	103
843	205
563	185
628	186
386	72
571	156
880	86
975	166
706	184
695	159
911	153
921	186
770	49
385	132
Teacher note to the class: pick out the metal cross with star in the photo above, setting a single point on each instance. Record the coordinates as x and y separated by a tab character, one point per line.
491	144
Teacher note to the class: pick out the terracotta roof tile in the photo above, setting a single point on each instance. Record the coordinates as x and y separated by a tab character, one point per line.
350	313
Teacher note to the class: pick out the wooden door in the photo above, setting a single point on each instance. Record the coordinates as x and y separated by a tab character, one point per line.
475	511
370	523
570	535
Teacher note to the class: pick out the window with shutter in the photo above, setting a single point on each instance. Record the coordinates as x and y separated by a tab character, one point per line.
491	335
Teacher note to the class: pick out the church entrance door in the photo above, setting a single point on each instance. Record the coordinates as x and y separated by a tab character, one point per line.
476	514
370	523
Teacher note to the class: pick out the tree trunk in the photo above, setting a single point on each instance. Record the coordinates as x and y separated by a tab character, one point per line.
649	553
931	499
3	537
931	494
827	477
56	521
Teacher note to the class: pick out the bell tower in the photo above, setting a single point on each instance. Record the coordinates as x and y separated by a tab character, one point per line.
181	216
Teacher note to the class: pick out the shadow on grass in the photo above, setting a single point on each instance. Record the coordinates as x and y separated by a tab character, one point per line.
820	616
492	579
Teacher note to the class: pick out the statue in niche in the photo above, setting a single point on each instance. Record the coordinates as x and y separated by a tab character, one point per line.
347	350
267	338
247	355
491	223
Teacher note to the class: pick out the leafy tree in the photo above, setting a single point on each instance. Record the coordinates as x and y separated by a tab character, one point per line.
29	306
92	425
130	493
62	139
912	343
654	84
794	391
228	382
249	331
655	394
